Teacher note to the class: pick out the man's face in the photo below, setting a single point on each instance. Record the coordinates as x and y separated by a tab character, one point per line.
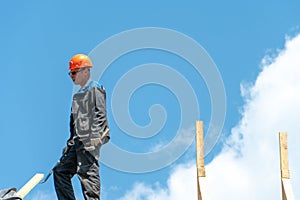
79	76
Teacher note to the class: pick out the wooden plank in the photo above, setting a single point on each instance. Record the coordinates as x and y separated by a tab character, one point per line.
286	187
201	175
30	185
284	165
200	149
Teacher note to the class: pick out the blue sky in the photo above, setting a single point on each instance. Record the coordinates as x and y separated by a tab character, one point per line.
38	39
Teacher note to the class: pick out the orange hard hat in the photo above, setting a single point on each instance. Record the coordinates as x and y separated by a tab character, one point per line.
80	61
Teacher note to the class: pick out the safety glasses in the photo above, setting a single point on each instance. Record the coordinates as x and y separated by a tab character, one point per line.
73	73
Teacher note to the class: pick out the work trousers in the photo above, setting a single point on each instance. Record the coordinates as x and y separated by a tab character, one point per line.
85	165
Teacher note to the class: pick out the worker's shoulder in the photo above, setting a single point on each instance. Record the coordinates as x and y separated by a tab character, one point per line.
98	86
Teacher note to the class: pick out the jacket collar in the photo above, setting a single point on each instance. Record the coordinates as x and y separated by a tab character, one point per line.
85	87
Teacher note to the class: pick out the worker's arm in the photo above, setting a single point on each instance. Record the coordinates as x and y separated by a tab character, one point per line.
70	141
100	123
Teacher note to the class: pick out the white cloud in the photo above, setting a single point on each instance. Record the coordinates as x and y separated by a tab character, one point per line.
248	167
252	170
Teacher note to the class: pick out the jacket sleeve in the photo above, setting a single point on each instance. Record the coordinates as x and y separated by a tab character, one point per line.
70	141
100	123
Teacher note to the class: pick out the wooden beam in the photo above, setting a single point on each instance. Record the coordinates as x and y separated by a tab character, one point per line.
30	185
284	163
201	175
200	149
287	192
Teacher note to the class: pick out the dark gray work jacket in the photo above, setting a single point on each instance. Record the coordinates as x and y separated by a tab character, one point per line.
88	118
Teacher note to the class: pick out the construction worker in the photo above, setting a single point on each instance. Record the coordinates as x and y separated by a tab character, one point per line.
89	131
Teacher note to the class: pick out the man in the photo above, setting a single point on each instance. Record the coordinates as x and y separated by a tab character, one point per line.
89	131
